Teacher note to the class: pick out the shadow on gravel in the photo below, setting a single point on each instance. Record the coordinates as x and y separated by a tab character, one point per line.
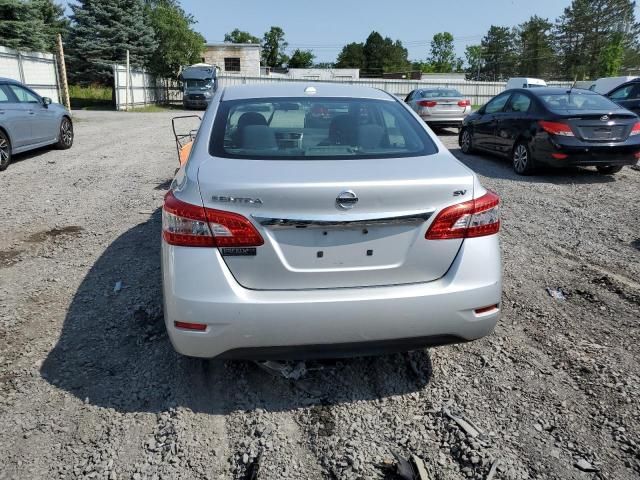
497	167
113	351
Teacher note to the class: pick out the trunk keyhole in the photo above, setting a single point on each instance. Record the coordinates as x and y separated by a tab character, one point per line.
369	253
320	254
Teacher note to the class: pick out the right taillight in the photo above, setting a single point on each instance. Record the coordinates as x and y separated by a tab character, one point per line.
474	218
427	103
188	225
556	128
635	130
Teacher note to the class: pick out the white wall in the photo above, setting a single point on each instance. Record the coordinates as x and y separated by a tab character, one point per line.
34	69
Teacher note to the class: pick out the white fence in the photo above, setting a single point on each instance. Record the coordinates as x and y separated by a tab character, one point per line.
478	92
143	89
37	70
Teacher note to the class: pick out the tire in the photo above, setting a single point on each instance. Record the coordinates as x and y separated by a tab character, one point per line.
65	138
5	151
521	159
466	142
609	169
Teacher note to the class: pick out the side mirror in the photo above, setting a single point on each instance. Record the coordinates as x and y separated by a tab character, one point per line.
46	101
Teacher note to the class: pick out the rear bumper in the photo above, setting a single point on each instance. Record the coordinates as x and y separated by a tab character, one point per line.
198	287
187	103
443	121
586	154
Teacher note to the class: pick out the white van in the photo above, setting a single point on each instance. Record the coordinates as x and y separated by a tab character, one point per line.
606	84
584	84
524	82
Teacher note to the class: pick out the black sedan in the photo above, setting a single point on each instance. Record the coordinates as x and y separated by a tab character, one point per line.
627	95
554	126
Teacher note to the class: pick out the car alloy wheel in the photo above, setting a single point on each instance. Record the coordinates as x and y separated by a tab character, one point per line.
521	161
465	143
5	152
66	133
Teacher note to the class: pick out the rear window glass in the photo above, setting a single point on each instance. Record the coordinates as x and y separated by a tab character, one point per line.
577	100
440	92
317	128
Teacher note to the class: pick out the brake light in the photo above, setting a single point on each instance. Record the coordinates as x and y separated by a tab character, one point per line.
636	129
198	327
475	218
427	103
187	225
464	103
556	128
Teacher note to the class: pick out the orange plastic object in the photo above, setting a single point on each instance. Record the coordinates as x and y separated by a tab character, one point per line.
184	153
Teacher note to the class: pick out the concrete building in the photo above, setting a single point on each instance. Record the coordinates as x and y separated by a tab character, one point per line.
234	58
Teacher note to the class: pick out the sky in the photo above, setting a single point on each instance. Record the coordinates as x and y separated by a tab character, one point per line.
324	26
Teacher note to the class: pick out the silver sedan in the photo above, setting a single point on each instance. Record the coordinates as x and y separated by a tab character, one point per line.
440	107
324	220
29	121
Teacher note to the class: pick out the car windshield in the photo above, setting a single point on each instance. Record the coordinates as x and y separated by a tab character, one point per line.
198	83
535	85
577	100
327	128
440	92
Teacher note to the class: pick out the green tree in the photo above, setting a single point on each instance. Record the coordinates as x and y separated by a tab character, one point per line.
498	54
240	36
592	36
351	56
475	62
384	55
535	48
273	47
443	56
100	35
31	24
301	59
177	44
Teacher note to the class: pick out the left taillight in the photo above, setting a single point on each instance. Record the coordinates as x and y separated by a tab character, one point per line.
188	225
474	218
635	130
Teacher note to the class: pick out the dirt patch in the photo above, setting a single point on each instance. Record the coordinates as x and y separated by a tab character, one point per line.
44	235
9	257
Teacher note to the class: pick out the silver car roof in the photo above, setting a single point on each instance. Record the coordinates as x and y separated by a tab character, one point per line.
297	89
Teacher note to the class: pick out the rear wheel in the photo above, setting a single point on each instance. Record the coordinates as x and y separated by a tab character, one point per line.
65	138
466	141
521	159
5	151
609	169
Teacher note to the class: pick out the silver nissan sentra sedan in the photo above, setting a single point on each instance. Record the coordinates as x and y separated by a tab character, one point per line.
318	220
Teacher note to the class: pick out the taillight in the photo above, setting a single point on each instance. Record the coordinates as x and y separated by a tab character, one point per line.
464	103
556	128
475	218
427	103
636	129
187	225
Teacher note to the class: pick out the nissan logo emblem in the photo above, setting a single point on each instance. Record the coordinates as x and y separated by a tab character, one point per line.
604	118
346	200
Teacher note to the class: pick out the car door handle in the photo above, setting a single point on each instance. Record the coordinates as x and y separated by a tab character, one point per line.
31	112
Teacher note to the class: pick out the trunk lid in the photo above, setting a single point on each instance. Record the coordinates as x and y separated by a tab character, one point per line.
311	242
601	127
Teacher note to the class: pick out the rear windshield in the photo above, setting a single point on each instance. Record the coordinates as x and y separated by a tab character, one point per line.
577	100
440	92
320	128
198	83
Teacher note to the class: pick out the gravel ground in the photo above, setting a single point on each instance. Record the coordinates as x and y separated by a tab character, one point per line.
90	387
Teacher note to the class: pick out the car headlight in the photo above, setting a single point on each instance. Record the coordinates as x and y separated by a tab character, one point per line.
207	94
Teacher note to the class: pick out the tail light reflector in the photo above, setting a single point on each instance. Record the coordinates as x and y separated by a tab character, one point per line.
187	225
464	103
635	130
556	128
198	327
560	156
427	103
637	155
480	311
475	218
